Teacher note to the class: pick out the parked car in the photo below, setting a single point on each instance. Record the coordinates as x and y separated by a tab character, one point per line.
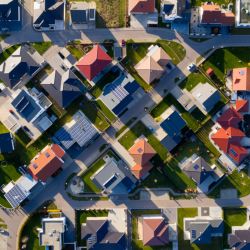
191	67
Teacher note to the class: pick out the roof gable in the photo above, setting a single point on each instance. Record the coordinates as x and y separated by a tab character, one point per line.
241	79
141	6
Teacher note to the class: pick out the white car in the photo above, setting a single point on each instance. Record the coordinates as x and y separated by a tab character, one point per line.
191	67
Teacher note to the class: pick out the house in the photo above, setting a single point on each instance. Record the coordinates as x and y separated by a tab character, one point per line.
114	177
202	228
20	66
64	88
241	79
229	137
94	63
141	6
78	131
119	93
242	106
49	15
173	125
98	235
82	15
206	95
15	192
28	109
6	143
51	235
153	65
201	172
212	15
155	230
239	239
142	152
172	10
10	15
242	9
46	163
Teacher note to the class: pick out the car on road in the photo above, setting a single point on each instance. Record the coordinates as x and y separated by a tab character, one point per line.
191	67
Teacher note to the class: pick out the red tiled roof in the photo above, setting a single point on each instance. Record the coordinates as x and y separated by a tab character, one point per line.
212	14
141	6
47	162
230	118
241	79
228	140
155	231
94	62
140	171
241	105
210	71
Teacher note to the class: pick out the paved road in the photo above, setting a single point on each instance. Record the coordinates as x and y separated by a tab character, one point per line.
55	190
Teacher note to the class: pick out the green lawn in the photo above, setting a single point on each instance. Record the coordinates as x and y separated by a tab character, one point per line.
237	180
96	91
136	243
233	217
119	132
227	58
41	47
217	243
220	2
81	217
105	110
138	130
192	80
76	50
6	53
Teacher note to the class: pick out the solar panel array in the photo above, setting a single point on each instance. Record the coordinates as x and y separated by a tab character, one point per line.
15	196
81	132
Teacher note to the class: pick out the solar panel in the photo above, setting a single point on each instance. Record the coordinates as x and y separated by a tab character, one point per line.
196	167
193	234
15	196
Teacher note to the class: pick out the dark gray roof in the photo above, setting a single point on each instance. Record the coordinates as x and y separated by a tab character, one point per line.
10	15
49	12
64	89
199	170
240	240
17	66
92	227
26	106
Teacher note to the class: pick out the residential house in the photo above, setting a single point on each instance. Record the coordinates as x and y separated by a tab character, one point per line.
172	10
153	65
141	6
201	229
49	15
99	235
28	110
206	95
239	239
10	15
142	152
15	192
241	106
211	15
51	235
95	62
20	66
155	230
82	15
242	9
119	93
201	172
46	163
64	88
229	137
7	144
78	131
173	125
241	79
114	177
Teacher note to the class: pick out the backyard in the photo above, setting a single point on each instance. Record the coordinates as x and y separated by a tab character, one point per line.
225	59
110	13
232	217
41	47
